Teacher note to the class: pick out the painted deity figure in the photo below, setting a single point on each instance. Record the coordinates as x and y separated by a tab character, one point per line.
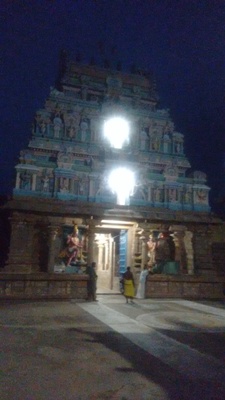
166	142
177	147
188	196
25	180
172	195
143	139
57	121
162	250
45	183
201	196
84	128
71	132
73	245
155	142
64	187
43	127
158	194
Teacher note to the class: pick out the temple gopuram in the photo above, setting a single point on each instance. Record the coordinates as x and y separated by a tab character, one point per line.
105	178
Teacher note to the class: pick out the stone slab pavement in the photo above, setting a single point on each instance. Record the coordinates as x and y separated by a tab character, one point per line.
109	350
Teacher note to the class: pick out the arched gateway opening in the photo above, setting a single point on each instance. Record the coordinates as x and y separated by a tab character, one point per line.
119	243
112	251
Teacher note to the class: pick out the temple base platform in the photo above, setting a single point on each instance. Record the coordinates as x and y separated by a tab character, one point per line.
40	286
185	287
66	286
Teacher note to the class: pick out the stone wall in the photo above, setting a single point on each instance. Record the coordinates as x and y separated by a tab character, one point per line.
185	287
43	286
218	256
202	243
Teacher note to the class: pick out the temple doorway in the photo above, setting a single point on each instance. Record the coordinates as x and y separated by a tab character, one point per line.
111	254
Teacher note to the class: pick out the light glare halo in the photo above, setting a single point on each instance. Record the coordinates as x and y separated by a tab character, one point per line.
121	182
116	130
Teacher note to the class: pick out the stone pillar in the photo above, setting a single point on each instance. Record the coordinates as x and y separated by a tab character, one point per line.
143	238
178	234
112	262
132	243
107	253
166	197
143	251
136	243
34	178
189	251
53	231
180	252
91	187
23	254
91	238
149	193
101	256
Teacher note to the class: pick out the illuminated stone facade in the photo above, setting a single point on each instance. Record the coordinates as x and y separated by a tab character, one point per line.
62	183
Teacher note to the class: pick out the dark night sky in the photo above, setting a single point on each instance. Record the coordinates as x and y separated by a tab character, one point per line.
182	42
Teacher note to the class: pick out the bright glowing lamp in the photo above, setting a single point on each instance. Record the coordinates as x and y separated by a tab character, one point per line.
121	182
116	130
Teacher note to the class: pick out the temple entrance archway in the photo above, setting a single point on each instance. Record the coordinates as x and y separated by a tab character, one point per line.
112	252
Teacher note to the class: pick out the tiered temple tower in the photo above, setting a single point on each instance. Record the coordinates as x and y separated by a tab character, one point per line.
68	157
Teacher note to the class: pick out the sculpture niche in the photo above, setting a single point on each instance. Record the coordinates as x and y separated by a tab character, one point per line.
161	254
72	252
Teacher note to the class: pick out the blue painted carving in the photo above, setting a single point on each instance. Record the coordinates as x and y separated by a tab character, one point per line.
123	252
